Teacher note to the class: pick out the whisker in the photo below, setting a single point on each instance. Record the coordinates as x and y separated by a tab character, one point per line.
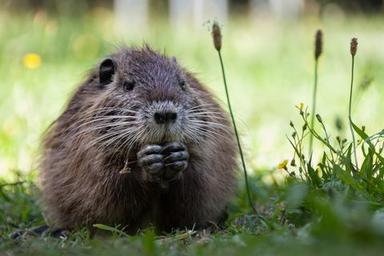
209	123
203	105
107	137
109	125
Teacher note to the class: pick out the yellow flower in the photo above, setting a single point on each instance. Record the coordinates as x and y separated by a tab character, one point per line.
283	165
32	60
300	106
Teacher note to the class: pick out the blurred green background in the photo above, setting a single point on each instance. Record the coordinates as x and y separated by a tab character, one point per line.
46	48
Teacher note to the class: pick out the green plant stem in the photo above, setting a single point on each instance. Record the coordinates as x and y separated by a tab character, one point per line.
237	135
314	97
350	111
318	137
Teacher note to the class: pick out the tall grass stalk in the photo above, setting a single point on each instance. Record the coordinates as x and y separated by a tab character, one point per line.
353	50
318	51
217	41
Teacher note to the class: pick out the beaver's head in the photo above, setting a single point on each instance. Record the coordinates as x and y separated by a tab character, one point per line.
145	97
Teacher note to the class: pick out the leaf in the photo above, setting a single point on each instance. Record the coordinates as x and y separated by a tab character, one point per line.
366	139
111	229
4	195
323	167
314	176
346	160
367	166
346	177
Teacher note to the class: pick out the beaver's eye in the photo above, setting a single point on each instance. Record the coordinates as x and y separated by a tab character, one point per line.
182	84
129	85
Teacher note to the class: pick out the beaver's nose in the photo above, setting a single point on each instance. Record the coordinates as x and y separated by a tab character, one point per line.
165	117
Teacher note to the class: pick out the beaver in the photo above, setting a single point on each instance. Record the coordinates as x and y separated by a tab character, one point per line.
141	142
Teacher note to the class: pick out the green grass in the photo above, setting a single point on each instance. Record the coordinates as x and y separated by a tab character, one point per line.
320	209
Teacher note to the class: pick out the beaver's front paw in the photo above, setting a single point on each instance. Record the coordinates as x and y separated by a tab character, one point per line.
150	159
175	160
163	163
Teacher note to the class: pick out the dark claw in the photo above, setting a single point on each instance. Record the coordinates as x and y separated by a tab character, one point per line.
59	233
149	149
173	169
36	231
41	231
17	234
173	146
155	168
178	165
149	160
176	156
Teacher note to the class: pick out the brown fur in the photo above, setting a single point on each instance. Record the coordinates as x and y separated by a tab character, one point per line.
82	179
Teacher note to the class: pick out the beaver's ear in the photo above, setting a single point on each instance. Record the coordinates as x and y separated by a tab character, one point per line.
106	71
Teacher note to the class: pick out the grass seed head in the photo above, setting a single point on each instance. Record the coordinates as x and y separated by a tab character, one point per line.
318	43
354	46
318	117
216	36
339	123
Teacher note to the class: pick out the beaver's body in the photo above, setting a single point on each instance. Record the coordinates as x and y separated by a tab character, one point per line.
140	142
